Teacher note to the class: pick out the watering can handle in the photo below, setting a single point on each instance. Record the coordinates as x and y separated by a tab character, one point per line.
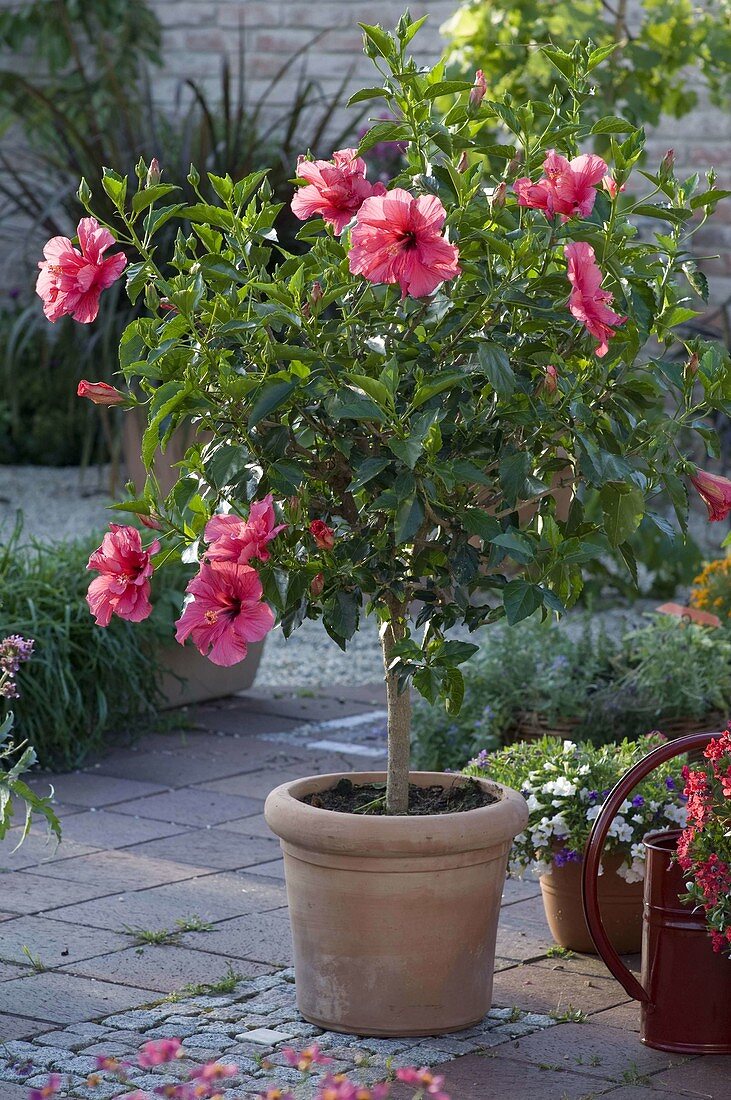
595	847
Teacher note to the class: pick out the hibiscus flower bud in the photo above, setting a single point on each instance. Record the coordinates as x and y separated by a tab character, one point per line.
323	535
667	164
479	89
100	393
316	294
549	383
317	585
498	196
691	367
153	173
464	162
715	492
152	522
610	185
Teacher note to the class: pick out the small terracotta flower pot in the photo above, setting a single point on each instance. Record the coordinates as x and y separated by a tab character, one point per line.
620	903
394	919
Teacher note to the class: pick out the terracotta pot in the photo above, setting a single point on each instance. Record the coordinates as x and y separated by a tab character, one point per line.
620	903
393	918
190	678
166	472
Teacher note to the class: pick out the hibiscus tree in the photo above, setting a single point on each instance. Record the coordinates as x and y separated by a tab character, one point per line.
389	417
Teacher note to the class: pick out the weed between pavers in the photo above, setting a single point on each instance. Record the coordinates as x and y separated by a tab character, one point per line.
150	937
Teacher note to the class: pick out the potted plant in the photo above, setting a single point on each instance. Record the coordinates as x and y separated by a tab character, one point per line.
443	336
565	785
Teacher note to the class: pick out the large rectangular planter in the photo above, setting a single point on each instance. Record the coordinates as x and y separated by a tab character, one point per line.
190	678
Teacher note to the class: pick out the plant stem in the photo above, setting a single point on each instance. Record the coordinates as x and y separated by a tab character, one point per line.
399	715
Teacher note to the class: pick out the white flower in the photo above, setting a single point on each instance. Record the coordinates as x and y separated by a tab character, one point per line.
593	813
532	803
633	873
561	786
568	746
559	825
637	851
679	814
583	770
539	867
638	818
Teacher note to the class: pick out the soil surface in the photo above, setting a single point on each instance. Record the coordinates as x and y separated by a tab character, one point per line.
370	798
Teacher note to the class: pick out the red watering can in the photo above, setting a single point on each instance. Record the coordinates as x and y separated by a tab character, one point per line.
685	987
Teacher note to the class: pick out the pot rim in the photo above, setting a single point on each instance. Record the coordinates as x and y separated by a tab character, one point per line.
314	828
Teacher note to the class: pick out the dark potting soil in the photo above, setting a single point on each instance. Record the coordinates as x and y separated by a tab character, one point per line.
370	798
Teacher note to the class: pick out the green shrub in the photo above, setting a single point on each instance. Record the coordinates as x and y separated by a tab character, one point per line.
84	686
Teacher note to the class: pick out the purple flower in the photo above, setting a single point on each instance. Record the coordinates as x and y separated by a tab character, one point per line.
638	800
566	855
670	783
593	796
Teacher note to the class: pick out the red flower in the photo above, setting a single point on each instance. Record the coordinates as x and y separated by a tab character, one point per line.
588	302
335	189
125	568
227	612
234	539
71	282
715	491
100	393
323	535
398	239
568	187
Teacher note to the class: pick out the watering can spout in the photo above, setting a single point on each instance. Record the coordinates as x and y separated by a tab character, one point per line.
676	947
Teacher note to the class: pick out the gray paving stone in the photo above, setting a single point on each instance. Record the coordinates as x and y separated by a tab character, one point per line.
19	1027
214	848
258	784
273	869
63	998
212	898
164	968
123	870
37	849
191	806
28	892
263	937
56	942
88	788
108	829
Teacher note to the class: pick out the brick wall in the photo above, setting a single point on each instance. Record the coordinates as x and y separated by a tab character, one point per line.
198	31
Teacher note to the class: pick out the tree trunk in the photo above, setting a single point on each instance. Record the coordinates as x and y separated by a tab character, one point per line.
399	717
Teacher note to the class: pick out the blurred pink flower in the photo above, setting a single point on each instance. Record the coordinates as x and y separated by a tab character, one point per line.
715	491
159	1051
423	1079
71	281
213	1071
397	239
609	184
125	568
335	189
303	1060
227	612
100	393
567	187
588	302
479	89
51	1087
234	539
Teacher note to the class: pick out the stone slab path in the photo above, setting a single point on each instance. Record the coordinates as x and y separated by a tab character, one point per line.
165	841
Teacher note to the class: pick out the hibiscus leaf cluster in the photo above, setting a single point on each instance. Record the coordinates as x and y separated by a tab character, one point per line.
565	785
704	849
452	359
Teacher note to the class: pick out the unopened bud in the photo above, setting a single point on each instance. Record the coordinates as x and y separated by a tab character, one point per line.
479	89
151	521
549	383
667	164
153	173
316	294
464	162
498	196
691	367
101	393
514	166
317	585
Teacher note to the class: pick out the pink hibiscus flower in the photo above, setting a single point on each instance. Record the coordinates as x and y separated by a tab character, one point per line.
226	613
397	239
715	491
588	302
71	282
159	1051
125	568
101	393
567	188
335	188
234	539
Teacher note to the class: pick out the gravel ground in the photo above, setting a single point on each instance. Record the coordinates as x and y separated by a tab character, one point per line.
67	502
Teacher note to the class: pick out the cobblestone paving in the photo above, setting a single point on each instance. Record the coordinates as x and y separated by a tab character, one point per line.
248	1027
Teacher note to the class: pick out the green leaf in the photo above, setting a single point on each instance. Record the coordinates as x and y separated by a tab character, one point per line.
270	398
513	473
409	518
477	522
343	613
145	198
496	365
349	405
560	60
379	38
166	398
367	93
366	471
612	124
383	131
601	53
521	599
408	450
453	690
623	507
446	87
428	390
375	389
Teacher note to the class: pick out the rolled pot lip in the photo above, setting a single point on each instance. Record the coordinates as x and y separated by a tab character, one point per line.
312	827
